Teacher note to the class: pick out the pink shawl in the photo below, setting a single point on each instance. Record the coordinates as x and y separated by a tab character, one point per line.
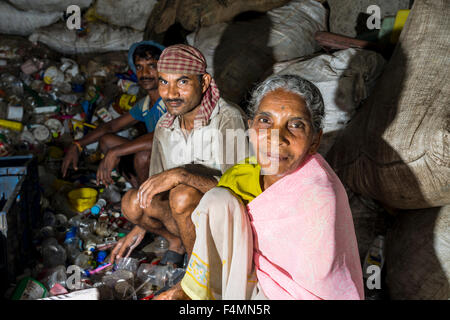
304	238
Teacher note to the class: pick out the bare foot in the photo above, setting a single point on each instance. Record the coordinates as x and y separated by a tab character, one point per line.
175	293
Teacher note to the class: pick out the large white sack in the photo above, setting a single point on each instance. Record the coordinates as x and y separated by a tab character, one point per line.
100	38
49	5
293	28
23	23
344	78
239	53
125	13
206	40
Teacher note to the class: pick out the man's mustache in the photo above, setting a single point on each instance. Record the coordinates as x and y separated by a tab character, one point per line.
174	100
146	79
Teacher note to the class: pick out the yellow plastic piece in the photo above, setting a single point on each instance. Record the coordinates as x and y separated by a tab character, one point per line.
12	125
400	20
83	198
127	101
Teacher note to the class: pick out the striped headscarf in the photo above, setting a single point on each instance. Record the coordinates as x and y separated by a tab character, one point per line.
184	59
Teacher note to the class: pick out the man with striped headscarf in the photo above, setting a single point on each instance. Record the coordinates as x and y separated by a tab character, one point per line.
190	153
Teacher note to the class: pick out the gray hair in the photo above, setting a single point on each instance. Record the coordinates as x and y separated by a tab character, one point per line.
295	84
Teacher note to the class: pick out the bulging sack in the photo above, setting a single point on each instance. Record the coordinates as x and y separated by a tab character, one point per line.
239	53
23	23
195	14
344	78
125	13
100	38
49	5
396	149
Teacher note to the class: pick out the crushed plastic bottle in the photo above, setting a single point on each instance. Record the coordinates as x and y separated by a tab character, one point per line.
129	264
54	276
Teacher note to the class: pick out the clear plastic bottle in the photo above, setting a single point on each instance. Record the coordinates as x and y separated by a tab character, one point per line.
102	230
375	255
86	227
155	274
95	210
72	244
55	275
49	218
83	260
90	242
53	254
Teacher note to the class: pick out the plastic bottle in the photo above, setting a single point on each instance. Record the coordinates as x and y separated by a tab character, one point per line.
95	210
12	125
375	255
72	244
102	230
158	275
83	260
53	254
101	256
111	193
49	218
129	264
55	275
90	243
159	246
86	228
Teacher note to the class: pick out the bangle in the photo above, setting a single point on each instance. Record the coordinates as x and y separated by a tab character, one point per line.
79	147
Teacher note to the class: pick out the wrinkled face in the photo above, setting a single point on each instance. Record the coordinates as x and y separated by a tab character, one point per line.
283	114
147	73
182	93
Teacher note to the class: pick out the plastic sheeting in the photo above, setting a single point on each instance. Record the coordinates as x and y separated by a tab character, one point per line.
23	23
344	78
100	38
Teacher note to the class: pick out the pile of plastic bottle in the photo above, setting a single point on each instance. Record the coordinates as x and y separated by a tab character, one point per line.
74	254
46	101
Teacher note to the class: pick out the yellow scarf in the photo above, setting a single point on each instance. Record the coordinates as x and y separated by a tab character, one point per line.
243	179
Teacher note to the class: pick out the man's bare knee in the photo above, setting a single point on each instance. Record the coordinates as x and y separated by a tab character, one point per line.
142	164
183	199
105	141
130	206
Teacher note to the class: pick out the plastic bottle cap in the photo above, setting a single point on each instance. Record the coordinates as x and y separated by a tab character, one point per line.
101	256
95	210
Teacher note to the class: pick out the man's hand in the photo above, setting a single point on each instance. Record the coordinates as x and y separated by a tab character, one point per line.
130	241
158	183
108	163
71	158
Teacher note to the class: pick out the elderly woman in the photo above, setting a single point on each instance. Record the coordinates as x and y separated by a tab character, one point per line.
280	227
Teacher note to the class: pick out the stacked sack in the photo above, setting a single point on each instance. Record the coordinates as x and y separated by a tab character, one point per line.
396	150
